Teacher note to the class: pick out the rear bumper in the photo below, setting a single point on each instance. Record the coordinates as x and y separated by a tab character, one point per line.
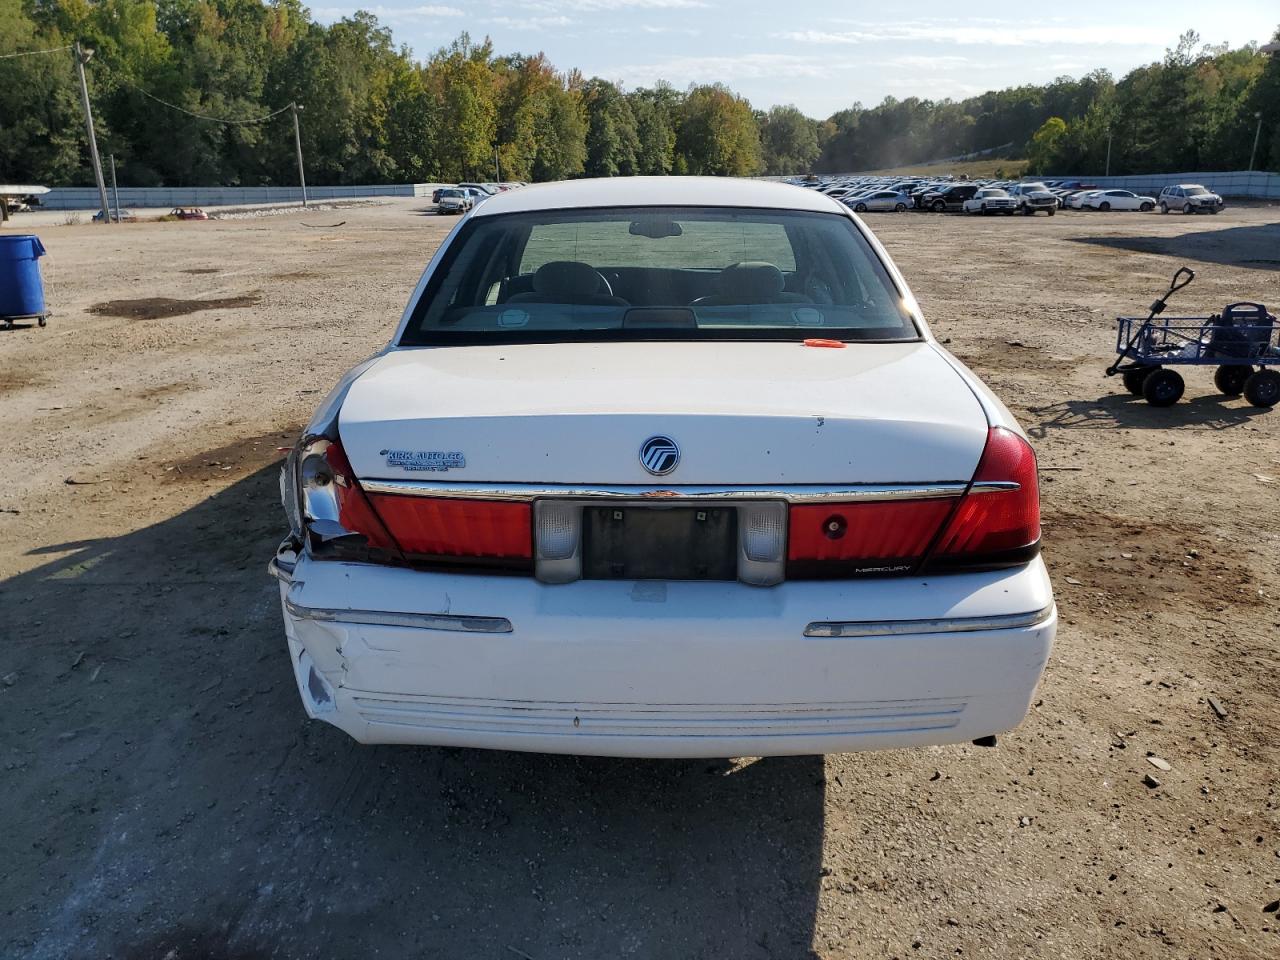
653	669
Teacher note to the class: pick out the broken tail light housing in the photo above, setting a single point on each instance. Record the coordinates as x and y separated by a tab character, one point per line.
337	519
333	515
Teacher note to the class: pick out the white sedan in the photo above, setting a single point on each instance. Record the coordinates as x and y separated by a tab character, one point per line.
664	467
1079	201
1105	200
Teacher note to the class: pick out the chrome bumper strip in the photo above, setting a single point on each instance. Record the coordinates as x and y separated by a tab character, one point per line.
892	628
382	618
282	564
799	493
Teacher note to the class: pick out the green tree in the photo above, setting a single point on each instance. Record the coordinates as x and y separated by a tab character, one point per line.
463	79
788	140
655	111
1044	144
612	138
718	135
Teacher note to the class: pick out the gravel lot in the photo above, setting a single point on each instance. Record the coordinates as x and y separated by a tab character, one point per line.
166	798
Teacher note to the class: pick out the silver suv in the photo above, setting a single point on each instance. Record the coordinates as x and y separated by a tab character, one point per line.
1189	198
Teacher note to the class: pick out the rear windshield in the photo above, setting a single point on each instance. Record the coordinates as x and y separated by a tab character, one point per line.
658	273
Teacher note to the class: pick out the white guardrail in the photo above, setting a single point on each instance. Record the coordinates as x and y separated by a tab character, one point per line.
86	198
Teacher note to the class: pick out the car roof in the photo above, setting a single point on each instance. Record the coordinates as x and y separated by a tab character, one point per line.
659	192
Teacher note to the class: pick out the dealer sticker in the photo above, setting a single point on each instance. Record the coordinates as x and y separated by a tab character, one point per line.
435	461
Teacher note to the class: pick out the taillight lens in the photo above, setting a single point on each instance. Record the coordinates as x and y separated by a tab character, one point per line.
993	526
840	539
431	527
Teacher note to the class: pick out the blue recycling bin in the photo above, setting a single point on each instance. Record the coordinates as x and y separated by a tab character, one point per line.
21	289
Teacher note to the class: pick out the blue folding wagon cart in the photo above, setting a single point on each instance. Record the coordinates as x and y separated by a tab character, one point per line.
1240	342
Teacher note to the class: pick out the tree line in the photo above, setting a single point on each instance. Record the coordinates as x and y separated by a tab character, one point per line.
375	114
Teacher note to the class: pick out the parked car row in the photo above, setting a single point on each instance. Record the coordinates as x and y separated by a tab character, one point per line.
461	198
871	194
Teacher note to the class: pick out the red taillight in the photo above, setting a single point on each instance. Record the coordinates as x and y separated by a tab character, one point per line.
879	537
996	523
996	526
354	511
476	529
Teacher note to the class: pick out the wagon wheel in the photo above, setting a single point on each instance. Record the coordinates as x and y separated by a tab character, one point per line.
1163	388
1262	389
1135	377
1230	379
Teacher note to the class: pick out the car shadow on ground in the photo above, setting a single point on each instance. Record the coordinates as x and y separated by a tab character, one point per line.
167	797
1256	246
1214	412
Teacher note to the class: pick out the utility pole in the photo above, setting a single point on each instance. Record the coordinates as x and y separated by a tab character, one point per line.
1108	173
82	57
115	190
297	142
497	170
1256	134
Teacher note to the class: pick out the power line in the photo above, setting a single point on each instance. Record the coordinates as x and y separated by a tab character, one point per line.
32	53
201	116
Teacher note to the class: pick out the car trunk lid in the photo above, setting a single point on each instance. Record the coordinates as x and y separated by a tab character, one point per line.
741	413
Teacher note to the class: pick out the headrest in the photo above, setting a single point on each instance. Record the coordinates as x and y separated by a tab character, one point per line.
567	278
751	281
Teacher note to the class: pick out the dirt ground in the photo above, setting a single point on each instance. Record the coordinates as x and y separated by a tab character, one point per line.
166	799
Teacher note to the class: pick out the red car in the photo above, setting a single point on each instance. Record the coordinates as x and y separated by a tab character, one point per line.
189	213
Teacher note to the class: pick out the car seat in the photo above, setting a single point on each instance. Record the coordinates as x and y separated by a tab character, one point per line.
749	282
569	281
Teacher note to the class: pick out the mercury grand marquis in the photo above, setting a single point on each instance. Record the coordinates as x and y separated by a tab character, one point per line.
664	468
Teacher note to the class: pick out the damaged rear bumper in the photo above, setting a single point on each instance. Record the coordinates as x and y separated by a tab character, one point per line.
663	669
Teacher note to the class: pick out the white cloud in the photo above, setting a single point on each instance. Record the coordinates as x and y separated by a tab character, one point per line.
594	6
529	23
994	34
750	66
921	62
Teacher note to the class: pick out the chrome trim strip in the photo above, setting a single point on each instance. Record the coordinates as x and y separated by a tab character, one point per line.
894	628
281	571
798	493
381	618
282	565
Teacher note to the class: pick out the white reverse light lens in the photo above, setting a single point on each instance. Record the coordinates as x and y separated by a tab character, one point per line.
557	531
762	543
763	532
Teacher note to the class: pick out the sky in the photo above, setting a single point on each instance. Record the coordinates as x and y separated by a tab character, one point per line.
823	55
